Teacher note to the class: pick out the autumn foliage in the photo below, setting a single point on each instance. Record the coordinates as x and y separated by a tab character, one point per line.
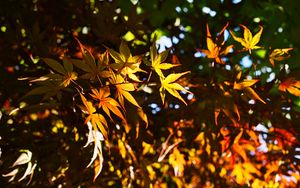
143	117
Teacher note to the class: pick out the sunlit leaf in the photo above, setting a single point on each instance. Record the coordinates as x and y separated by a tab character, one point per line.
24	158
122	148
157	61
125	63
252	94
97	120
11	174
87	55
95	137
243	84
68	78
291	85
107	103
123	89
248	42
279	55
176	159
94	68
168	84
216	49
29	171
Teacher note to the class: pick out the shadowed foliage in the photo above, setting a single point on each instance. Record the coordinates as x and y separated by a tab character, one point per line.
160	93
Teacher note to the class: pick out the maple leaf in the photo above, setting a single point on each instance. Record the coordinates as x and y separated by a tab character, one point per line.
157	60
96	137
65	73
93	68
291	85
245	86
225	103
97	120
123	89
216	50
176	159
279	55
48	87
249	42
107	103
125	63
203	142
238	148
24	158
227	111
169	84
244	172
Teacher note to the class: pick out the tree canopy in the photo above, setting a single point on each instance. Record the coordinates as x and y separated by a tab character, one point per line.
160	93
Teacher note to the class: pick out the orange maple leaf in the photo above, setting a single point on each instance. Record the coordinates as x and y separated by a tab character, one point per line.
216	50
291	85
107	103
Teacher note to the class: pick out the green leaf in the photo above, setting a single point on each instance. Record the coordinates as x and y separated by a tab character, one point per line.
54	65
80	64
38	90
68	65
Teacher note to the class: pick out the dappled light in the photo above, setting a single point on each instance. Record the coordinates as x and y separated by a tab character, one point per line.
138	93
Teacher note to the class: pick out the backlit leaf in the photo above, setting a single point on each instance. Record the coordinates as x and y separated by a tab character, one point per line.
248	42
107	103
279	55
157	61
125	63
176	159
123	89
169	84
252	94
243	84
87	55
291	85
23	158
216	49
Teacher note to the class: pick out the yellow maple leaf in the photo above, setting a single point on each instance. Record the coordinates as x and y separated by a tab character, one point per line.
123	89
243	172
97	120
157	61
245	86
216	50
122	148
176	159
279	55
125	63
68	78
249	42
169	84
